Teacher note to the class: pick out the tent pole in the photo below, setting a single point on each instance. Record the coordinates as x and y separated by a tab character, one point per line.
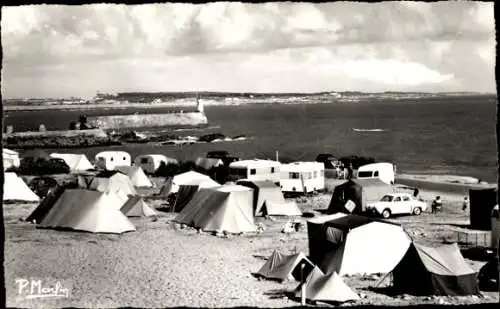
303	286
382	280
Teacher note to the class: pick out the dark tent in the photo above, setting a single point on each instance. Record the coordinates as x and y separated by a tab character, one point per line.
281	266
482	202
263	191
185	194
352	244
434	271
360	192
46	204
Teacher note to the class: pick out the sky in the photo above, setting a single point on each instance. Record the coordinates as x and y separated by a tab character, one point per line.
63	51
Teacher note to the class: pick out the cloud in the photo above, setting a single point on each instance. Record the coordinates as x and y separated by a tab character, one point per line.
390	44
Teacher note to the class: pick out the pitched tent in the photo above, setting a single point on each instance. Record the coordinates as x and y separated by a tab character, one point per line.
113	182
186	192
15	189
482	202
136	207
46	204
327	288
136	175
189	178
76	162
434	271
222	209
352	244
268	199
359	191
280	266
90	211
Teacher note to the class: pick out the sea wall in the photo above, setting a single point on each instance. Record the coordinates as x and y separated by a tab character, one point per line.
148	120
55	139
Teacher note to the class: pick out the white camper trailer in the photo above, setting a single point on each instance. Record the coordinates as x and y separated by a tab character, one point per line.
383	171
151	162
109	159
302	177
255	170
495	227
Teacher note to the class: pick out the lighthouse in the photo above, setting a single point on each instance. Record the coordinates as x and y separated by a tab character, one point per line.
201	109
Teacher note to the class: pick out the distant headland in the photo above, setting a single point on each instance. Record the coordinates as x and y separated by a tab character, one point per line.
185	99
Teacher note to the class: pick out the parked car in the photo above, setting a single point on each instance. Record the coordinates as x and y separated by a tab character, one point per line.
42	185
328	160
218	154
223	155
397	204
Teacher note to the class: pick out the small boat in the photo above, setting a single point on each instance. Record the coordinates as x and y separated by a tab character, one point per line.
368	130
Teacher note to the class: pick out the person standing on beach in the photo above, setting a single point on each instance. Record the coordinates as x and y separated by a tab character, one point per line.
465	205
436	204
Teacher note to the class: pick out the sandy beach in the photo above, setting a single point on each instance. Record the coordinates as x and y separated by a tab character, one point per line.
162	265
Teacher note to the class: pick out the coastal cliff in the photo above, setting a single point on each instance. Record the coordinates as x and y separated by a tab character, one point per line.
149	120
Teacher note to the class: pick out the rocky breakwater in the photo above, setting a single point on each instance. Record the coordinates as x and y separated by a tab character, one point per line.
56	139
149	120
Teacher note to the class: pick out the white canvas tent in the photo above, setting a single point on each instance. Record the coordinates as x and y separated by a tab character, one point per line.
351	244
10	158
136	175
115	183
189	178
90	211
221	209
76	162
14	189
136	207
327	288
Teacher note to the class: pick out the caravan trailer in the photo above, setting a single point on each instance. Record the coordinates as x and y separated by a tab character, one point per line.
383	171
302	177
108	160
255	170
151	162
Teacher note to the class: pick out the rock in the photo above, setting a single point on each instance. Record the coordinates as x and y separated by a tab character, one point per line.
363	295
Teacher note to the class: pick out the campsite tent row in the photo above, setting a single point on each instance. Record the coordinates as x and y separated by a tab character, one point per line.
343	244
267	197
89	210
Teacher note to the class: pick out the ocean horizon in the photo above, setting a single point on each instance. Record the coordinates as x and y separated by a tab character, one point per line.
454	135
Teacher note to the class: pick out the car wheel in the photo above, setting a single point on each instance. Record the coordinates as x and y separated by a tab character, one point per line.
386	213
417	211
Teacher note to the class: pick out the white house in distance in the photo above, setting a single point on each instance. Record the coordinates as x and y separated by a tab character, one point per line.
151	162
383	171
255	170
109	159
304	177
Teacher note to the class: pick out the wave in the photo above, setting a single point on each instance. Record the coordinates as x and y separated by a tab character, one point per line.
368	130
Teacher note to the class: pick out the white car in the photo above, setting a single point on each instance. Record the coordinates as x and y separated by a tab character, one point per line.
397	204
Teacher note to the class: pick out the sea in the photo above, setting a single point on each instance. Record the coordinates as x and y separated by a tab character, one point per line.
453	135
